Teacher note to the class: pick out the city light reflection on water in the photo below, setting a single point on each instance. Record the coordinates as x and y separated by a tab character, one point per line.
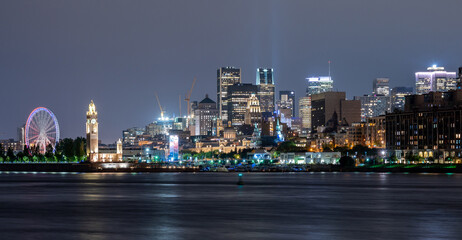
211	205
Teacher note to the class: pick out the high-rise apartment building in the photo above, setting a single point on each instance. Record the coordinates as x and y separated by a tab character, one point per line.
436	79
265	83
226	76
381	86
238	97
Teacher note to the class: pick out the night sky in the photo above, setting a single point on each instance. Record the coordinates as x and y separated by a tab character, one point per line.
61	54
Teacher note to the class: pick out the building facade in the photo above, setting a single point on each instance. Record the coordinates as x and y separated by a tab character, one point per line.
253	112
398	97
15	146
370	133
304	112
381	86
430	126
374	105
204	116
238	97
319	85
376	132
356	134
324	105
435	79
130	136
310	157
286	103
266	88
316	85
226	76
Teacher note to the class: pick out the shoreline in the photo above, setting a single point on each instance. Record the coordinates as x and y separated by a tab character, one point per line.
146	168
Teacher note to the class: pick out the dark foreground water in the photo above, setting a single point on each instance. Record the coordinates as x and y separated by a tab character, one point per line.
212	206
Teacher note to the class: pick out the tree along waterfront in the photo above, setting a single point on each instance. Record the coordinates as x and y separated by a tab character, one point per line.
67	150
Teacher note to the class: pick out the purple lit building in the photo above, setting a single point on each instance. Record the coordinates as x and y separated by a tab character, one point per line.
436	79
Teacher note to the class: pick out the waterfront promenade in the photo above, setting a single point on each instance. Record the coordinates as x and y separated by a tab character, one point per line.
188	167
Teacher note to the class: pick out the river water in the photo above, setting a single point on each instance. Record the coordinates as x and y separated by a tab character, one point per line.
213	206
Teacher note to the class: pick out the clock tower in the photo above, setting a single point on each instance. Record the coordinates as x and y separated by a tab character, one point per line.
92	133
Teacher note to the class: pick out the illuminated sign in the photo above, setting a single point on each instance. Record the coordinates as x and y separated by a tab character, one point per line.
173	146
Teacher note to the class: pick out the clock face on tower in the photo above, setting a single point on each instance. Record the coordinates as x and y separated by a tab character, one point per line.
93	121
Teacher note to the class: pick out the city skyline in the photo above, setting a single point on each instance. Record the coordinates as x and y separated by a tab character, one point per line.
302	119
54	58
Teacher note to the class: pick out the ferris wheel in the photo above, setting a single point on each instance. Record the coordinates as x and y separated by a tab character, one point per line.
42	129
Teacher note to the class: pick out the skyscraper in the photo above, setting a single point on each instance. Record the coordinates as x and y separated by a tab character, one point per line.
265	83
373	106
333	105
253	112
398	97
316	85
319	85
226	76
436	79
381	86
204	115
238	97
286	103
304	106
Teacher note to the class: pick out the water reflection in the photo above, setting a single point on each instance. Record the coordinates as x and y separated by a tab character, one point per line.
209	205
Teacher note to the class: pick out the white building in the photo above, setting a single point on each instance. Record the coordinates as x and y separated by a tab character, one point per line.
319	85
436	79
310	157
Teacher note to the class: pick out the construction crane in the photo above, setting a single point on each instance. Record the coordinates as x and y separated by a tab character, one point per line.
160	106
179	101
188	97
